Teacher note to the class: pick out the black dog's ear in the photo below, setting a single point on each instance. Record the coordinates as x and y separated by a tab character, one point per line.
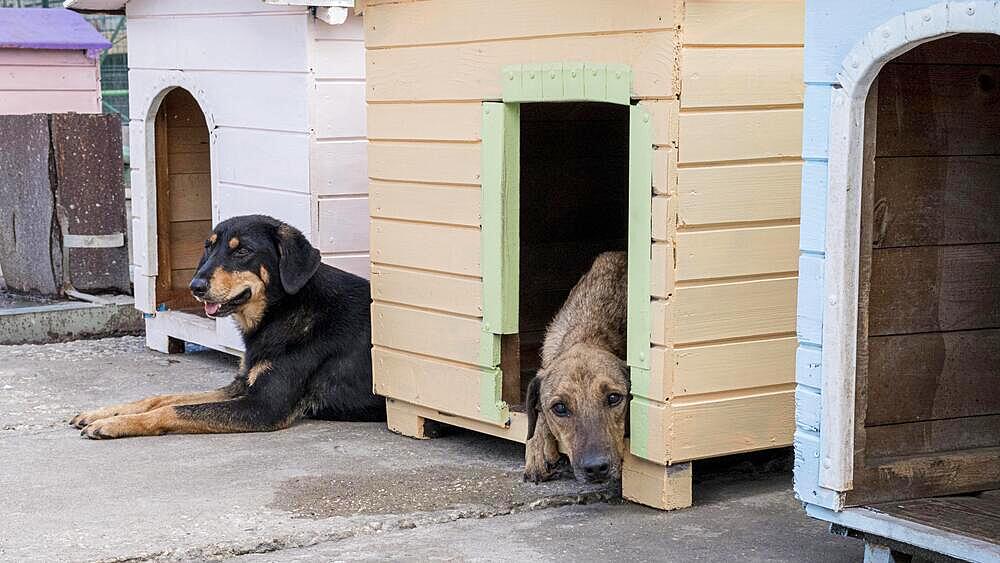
298	260
531	403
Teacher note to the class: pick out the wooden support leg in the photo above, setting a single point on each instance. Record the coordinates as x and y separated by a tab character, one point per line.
875	553
652	484
159	341
402	420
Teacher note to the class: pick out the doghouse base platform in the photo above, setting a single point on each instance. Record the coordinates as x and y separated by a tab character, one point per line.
167	332
644	482
960	528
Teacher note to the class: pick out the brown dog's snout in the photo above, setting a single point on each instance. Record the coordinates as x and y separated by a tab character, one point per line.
596	467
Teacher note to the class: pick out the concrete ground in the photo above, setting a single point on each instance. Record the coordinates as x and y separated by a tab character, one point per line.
325	491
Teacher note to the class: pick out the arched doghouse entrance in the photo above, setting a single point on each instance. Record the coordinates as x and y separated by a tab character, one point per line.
927	379
183	196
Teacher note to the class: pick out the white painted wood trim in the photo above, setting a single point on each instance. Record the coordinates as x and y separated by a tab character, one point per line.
859	70
911	533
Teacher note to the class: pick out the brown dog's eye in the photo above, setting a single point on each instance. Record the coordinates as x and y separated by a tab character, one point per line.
560	409
614	399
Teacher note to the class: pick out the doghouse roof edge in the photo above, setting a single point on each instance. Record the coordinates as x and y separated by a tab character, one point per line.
43	28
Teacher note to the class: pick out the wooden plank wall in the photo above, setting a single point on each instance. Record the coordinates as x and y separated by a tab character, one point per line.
430	65
338	145
184	195
48	81
725	229
933	336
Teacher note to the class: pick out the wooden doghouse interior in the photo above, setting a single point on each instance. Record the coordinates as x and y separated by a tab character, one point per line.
573	193
928	366
183	197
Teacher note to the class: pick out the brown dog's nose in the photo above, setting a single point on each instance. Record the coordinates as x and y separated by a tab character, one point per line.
199	287
596	467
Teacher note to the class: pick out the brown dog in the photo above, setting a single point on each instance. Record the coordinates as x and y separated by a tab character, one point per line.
579	398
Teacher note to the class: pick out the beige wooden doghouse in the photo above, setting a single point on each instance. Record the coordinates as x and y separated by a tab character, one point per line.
239	107
512	142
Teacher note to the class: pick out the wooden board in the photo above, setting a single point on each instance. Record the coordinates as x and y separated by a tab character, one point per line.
720	136
454	205
472	71
976	517
187	243
439	384
725	311
766	192
427	290
428	333
738	22
938	200
338	167
741	422
714	368
343	225
441	248
48	78
939	110
449	163
426	122
737	252
739	77
928	437
933	376
918	476
932	288
455	21
191	202
267	42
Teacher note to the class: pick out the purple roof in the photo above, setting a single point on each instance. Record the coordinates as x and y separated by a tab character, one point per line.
48	28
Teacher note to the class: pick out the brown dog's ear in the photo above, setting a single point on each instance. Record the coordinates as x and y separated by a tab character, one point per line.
531	403
297	259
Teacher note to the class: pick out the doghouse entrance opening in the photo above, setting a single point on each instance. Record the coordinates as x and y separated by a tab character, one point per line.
573	194
183	197
928	365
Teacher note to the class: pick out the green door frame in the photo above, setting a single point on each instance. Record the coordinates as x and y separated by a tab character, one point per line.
556	82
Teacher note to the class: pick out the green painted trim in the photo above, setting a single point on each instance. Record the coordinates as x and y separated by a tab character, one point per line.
640	214
500	211
567	82
638	414
491	406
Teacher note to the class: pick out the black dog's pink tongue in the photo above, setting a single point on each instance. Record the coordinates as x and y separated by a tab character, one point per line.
211	308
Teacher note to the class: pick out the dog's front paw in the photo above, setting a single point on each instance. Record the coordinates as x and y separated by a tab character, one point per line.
84	419
104	429
540	464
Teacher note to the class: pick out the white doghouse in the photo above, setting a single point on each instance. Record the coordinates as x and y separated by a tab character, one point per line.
239	107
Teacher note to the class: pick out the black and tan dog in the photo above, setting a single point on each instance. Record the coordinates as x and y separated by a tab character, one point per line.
307	331
579	398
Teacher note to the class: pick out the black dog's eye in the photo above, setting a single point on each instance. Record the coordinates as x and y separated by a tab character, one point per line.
614	399
242	252
560	409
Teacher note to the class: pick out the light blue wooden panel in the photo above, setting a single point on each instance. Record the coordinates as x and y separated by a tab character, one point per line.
816	121
833	28
809	366
812	230
806	482
810	303
807	408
